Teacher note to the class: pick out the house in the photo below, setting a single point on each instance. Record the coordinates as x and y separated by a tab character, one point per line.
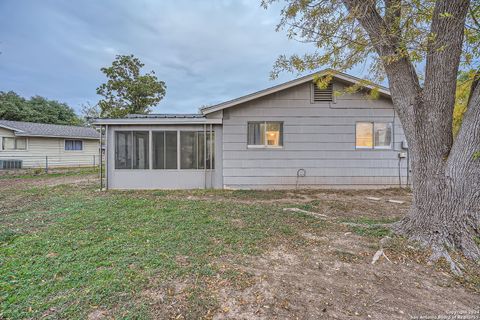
287	136
36	145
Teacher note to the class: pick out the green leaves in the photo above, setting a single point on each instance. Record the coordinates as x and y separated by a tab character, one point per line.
476	155
127	91
36	109
339	41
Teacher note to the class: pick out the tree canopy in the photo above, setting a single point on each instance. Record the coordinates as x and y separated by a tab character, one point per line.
128	91
36	109
340	40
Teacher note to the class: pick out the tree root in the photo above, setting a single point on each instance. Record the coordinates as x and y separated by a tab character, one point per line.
439	249
439	252
365	225
460	241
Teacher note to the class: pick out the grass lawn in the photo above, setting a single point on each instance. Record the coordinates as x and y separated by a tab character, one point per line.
71	252
73	248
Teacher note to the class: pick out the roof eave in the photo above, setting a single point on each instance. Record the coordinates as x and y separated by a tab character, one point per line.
154	121
19	134
286	85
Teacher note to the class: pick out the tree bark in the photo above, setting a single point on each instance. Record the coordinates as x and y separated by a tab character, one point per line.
446	205
446	174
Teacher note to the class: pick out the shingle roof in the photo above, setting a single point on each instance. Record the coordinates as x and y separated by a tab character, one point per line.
49	130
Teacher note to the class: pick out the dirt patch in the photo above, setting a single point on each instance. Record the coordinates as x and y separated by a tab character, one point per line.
335	279
98	314
338	203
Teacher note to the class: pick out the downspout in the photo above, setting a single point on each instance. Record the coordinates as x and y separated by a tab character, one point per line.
101	157
211	156
205	156
106	157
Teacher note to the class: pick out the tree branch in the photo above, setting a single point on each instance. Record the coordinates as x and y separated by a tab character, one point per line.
443	58
403	79
393	13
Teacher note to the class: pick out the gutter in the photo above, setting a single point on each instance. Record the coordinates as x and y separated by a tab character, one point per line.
153	121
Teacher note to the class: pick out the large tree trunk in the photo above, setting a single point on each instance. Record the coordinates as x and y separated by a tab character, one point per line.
446	173
446	194
446	191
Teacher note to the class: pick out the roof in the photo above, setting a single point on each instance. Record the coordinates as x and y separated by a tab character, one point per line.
30	129
164	118
336	75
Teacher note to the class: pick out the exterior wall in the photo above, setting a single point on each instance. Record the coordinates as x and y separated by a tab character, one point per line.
163	178
318	137
38	148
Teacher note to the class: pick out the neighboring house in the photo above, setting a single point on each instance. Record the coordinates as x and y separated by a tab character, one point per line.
34	145
290	135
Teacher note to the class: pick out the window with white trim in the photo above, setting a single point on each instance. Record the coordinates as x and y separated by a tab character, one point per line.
14	143
265	134
373	135
73	145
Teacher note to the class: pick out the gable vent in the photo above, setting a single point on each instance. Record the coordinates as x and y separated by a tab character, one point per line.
321	95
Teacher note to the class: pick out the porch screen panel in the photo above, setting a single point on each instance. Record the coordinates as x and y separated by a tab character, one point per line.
158	149
202	158
201	150
140	150
192	150
164	149
188	150
123	147
211	153
171	150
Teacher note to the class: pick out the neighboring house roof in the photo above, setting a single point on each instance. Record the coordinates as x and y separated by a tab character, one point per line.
336	75
31	129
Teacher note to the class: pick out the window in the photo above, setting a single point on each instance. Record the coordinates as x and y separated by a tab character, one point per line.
192	150
14	143
322	94
164	149
373	135
131	150
265	134
73	145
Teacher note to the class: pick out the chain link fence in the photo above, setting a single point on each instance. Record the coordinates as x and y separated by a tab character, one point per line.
46	163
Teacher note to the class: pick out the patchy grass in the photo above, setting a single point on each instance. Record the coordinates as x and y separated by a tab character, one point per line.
52	173
99	249
370	227
71	252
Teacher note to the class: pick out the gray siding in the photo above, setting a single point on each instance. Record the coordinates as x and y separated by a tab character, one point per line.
318	137
163	178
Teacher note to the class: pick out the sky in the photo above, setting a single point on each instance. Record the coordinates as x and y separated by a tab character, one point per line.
207	51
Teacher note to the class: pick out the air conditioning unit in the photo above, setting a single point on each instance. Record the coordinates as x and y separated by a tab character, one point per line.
10	164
